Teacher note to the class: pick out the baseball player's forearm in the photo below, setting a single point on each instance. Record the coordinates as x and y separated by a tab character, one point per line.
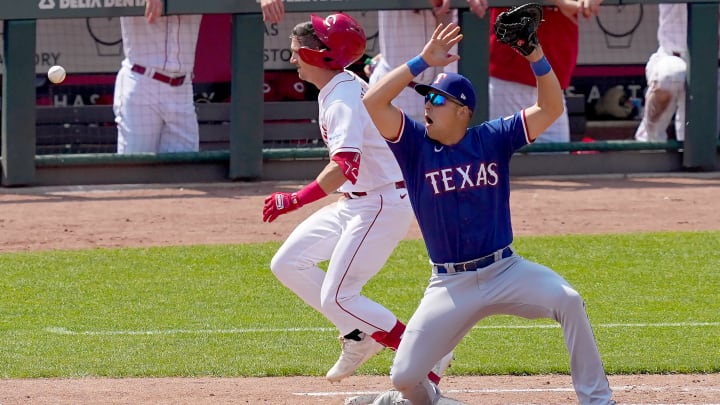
549	105
153	10
280	203
331	177
572	8
273	10
388	87
378	101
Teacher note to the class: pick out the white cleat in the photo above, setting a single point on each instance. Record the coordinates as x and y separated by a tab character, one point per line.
354	354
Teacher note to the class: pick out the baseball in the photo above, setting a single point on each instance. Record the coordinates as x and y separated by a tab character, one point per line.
56	74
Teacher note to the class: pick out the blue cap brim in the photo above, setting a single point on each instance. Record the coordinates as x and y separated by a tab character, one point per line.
424	89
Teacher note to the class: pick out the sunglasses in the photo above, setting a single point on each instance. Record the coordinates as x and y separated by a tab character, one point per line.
437	100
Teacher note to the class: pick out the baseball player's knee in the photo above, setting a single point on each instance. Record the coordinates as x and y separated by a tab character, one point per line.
661	97
672	83
327	301
406	380
657	103
405	374
571	301
281	265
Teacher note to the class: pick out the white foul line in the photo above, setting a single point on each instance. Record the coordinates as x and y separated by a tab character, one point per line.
235	331
636	388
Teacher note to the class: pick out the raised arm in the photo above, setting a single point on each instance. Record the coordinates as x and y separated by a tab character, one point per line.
549	105
387	117
517	28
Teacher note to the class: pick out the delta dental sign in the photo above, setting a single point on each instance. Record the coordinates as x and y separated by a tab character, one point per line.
85	4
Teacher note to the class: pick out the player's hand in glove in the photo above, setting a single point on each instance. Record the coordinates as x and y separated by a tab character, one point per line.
279	203
518	26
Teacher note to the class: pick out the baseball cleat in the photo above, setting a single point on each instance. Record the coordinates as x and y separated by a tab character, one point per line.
392	397
354	354
365	399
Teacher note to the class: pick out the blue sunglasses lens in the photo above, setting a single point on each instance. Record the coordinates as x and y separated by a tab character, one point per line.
435	99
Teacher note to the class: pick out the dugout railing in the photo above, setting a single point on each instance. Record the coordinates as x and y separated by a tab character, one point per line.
246	158
91	128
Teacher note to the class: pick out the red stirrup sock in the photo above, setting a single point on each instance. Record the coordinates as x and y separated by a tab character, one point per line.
390	339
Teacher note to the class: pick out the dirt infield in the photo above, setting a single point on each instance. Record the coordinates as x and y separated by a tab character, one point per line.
541	390
83	217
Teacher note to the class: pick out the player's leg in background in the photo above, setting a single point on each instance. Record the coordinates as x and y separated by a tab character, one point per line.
181	132
295	264
136	113
680	114
666	84
507	98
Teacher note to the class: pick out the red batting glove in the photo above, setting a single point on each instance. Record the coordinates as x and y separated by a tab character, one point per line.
279	203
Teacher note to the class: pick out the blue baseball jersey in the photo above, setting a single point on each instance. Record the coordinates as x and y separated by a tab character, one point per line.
461	193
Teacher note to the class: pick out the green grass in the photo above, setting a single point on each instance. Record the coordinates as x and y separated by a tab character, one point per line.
218	311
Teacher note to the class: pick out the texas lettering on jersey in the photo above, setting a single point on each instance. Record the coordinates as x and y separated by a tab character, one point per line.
482	174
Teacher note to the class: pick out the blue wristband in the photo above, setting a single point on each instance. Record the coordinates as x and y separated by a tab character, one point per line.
541	67
417	65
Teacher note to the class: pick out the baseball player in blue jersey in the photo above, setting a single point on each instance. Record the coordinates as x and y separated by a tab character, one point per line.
458	182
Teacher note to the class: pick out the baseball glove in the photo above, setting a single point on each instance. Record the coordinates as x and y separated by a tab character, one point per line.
518	26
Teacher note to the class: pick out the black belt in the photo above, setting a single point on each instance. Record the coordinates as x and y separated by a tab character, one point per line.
172	81
472	265
355	194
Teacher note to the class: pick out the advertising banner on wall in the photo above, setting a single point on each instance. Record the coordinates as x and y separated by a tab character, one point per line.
613	50
620	35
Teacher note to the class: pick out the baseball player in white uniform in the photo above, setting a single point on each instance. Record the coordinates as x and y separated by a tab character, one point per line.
401	33
357	233
666	73
153	101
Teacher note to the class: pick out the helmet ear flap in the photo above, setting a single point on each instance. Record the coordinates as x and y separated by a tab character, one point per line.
315	57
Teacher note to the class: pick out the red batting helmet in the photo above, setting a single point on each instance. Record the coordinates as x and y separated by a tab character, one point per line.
344	38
